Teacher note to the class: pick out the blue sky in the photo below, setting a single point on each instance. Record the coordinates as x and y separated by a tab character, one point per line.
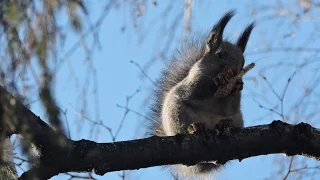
117	77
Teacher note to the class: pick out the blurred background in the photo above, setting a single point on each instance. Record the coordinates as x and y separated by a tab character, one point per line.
99	61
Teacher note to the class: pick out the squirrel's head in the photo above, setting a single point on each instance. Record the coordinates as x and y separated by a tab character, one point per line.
223	53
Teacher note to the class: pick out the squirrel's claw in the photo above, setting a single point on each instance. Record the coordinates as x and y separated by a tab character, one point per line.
196	128
238	87
223	78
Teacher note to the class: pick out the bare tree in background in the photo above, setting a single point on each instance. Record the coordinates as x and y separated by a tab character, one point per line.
33	50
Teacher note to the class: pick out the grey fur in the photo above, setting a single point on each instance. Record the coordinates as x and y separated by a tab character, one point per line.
186	90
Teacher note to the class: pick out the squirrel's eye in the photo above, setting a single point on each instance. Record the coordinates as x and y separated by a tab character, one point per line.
219	54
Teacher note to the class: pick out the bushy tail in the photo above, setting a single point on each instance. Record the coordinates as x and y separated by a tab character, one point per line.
7	167
201	171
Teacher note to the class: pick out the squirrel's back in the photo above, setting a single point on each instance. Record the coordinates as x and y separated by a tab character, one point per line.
175	71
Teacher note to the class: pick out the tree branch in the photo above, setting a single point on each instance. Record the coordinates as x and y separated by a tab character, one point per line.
15	118
221	146
218	145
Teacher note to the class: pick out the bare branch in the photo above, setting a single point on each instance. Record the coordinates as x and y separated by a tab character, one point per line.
218	145
100	158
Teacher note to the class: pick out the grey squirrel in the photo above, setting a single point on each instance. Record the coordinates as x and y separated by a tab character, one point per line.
186	90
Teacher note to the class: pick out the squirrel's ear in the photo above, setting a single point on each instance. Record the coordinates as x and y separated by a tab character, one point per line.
244	37
215	37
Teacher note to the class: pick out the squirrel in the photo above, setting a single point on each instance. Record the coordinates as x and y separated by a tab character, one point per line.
186	90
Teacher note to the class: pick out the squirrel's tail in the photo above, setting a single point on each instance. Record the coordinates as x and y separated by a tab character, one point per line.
7	167
200	171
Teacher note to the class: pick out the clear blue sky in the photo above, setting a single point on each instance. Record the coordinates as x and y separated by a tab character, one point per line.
118	78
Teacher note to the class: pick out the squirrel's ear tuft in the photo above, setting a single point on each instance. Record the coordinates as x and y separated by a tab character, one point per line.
215	37
244	37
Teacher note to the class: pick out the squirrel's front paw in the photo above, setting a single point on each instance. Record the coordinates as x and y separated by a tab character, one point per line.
196	128
238	87
223	78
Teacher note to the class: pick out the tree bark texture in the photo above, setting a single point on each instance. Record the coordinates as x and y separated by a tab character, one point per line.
60	154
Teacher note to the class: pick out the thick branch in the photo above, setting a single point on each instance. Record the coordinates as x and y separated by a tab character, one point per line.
100	158
18	119
15	118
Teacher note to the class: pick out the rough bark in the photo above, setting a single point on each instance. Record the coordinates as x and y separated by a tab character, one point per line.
60	154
